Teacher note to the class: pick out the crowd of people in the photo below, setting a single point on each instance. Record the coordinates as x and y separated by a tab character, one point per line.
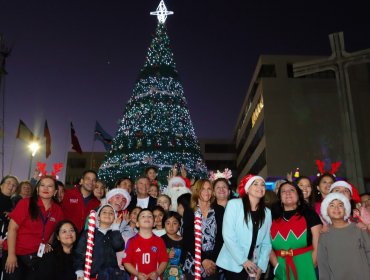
184	229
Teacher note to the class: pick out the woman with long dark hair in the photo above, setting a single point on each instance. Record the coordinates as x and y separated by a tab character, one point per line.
58	264
246	232
295	233
31	226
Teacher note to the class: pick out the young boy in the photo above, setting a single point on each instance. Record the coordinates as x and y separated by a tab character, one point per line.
172	222
146	255
107	241
343	251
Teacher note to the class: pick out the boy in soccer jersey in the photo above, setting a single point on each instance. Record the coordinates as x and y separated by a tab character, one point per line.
146	255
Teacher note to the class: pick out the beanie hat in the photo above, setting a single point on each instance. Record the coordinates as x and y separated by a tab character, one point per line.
122	192
176	180
341	184
246	182
328	199
98	213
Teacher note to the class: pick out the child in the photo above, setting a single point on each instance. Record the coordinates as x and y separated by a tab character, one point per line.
164	201
158	213
153	190
146	256
107	241
173	241
343	251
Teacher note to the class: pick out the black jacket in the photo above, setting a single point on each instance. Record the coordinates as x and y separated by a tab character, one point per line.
104	252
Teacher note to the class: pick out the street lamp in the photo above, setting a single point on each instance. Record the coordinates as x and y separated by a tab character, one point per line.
34	147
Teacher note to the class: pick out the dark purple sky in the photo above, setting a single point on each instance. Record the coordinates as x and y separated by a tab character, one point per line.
78	60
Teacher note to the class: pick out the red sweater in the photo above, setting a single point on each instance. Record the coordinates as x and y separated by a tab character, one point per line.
74	208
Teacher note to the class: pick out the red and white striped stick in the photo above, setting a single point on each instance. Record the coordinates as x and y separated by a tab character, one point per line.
198	245
90	244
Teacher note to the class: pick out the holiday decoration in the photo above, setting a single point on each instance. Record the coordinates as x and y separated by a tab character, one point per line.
156	122
57	168
334	167
217	175
90	244
198	245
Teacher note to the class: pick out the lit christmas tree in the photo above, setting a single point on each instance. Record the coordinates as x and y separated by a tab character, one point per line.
156	129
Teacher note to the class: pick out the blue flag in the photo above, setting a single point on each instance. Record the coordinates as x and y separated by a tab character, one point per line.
103	136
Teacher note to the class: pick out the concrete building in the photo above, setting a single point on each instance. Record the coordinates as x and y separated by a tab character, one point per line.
288	122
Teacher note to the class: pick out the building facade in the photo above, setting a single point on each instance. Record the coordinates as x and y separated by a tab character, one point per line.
288	122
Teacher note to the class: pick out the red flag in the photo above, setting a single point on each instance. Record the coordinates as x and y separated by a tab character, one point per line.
47	140
24	133
75	143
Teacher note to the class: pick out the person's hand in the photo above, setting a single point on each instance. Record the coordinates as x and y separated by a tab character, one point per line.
126	217
183	171
289	176
250	267
118	220
48	248
11	263
153	275
361	225
174	170
209	267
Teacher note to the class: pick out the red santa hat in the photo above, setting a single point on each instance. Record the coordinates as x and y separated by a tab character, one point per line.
246	182
328	199
341	184
122	192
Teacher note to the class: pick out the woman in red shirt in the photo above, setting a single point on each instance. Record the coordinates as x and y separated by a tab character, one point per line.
30	230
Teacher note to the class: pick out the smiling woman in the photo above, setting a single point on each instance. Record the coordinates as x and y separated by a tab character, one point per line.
30	230
246	229
295	225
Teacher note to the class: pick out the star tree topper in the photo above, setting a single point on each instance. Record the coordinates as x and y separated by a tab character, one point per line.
161	12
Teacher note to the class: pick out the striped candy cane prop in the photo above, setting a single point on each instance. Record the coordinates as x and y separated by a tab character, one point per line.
198	245
90	244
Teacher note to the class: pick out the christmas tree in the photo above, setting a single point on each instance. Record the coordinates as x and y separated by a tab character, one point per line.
156	129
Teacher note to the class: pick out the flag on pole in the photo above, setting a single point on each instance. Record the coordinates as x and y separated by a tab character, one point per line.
24	133
74	140
47	140
103	136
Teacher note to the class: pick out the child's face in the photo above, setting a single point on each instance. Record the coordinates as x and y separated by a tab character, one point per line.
164	202
145	220
151	174
133	215
365	201
158	216
153	191
106	216
336	210
343	190
172	225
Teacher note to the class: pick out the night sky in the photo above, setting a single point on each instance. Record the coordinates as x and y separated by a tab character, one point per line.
78	60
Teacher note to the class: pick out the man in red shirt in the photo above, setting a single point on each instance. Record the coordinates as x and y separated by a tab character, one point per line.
79	201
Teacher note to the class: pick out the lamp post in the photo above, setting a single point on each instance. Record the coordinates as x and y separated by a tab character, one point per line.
34	147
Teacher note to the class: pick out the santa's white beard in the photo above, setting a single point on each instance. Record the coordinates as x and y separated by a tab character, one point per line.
174	193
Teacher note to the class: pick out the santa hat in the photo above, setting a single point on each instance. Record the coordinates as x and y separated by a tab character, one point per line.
328	199
246	182
176	180
122	192
341	184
